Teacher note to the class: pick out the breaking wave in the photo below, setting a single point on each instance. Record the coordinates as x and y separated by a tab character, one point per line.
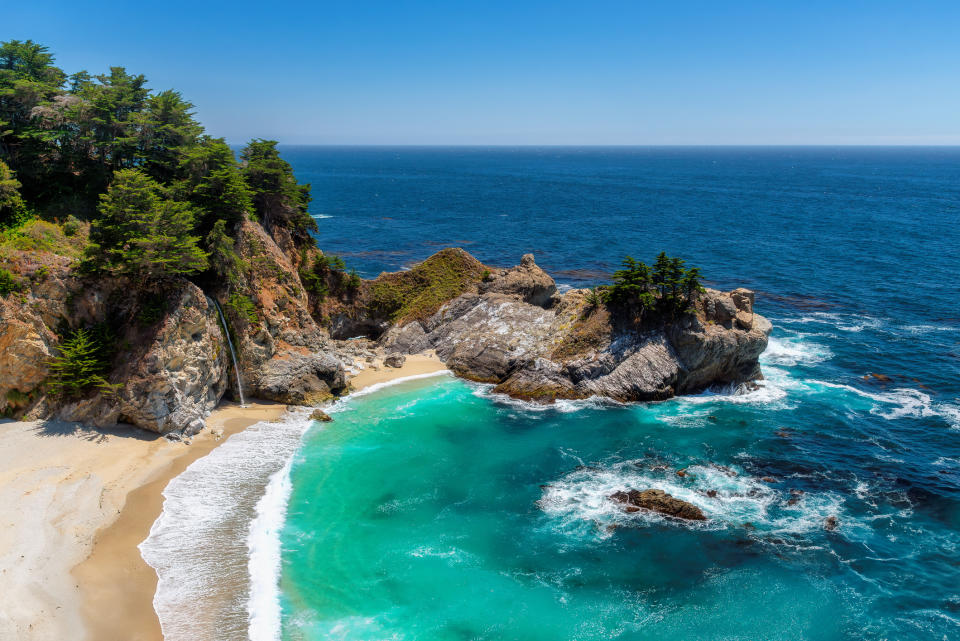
579	503
207	570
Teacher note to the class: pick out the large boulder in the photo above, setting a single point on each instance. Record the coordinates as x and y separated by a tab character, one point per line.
657	501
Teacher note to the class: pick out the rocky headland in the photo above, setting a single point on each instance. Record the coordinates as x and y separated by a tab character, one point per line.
508	327
514	330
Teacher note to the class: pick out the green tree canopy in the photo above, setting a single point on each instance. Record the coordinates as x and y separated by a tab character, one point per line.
224	261
669	289
142	232
277	198
212	180
12	207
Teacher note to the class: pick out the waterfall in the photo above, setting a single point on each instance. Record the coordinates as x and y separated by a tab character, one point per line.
232	353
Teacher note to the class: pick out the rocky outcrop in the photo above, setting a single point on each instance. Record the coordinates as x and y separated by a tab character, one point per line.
170	383
526	281
170	374
657	501
171	365
283	354
504	334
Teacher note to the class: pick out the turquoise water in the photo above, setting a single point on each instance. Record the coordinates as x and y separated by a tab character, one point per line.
433	510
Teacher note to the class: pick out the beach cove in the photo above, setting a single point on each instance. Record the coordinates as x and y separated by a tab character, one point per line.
80	500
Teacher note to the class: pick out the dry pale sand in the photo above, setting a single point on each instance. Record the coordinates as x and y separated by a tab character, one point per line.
416	364
63	488
75	503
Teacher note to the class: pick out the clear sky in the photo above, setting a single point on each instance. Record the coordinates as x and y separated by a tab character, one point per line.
530	72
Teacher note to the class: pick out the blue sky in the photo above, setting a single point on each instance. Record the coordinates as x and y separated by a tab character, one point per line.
530	72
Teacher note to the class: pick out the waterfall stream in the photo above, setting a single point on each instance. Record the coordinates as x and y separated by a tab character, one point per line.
233	355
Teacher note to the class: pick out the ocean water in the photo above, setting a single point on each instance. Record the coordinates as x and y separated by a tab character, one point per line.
433	509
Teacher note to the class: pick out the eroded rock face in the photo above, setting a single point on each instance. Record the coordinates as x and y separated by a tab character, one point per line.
658	501
173	381
283	354
570	350
170	374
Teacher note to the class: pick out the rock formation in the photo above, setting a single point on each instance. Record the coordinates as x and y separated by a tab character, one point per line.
173	369
284	355
516	332
508	327
657	501
171	372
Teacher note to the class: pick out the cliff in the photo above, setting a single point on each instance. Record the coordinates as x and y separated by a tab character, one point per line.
169	360
171	365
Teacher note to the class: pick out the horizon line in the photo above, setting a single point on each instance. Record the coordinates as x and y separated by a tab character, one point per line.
616	146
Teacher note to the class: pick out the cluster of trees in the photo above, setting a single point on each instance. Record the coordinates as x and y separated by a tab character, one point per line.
327	274
668	289
164	199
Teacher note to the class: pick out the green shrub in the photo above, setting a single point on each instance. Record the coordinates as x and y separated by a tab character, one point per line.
243	307
8	283
420	291
72	226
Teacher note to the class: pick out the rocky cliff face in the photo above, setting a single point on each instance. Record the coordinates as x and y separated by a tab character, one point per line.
518	333
171	371
173	367
508	327
170	381
283	354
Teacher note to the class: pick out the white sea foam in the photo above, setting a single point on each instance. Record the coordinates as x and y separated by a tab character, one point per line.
197	545
793	351
579	502
320	216
903	402
263	543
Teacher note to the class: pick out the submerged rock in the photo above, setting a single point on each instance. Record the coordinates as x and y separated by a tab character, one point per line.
658	501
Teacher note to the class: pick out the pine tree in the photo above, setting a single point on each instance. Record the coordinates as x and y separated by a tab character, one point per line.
212	180
224	260
12	208
278	200
142	233
80	365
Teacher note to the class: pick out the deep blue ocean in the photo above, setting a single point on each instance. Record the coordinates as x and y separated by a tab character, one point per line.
436	510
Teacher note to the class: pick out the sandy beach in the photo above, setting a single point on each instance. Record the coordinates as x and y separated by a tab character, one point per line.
75	503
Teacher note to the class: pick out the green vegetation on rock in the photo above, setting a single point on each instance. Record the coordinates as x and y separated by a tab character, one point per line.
419	293
667	290
8	283
326	274
278	199
243	307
